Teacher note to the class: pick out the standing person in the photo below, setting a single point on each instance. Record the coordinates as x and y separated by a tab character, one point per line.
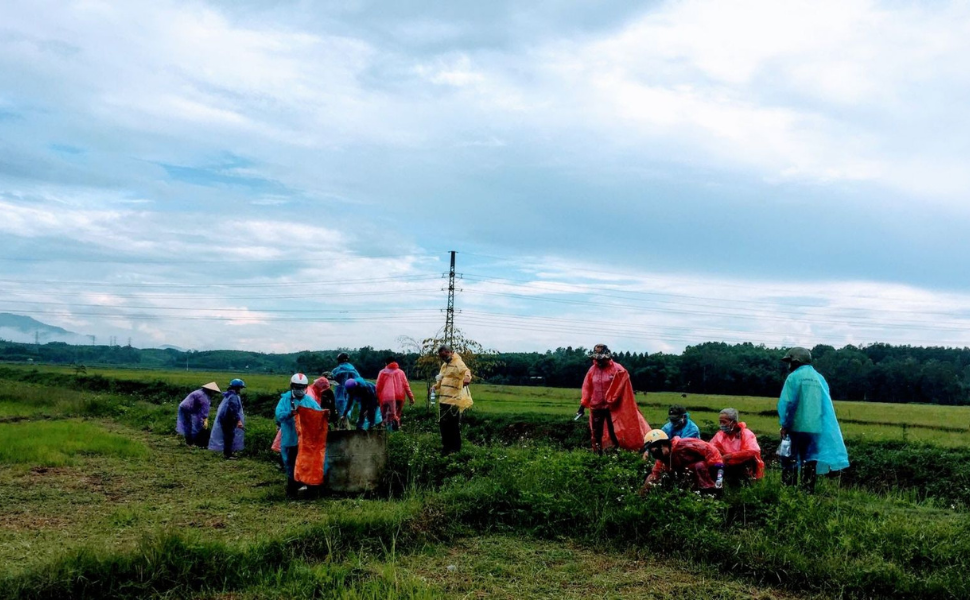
808	420
739	448
287	410
679	424
392	388
364	394
691	457
341	373
453	398
193	414
608	393
228	433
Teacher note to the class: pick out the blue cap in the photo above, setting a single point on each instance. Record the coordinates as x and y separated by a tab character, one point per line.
239	383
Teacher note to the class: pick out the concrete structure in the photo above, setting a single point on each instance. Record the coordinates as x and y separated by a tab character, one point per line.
357	460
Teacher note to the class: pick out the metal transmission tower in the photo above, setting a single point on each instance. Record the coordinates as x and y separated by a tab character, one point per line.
450	311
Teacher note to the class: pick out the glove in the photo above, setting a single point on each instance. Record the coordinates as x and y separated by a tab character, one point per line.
205	423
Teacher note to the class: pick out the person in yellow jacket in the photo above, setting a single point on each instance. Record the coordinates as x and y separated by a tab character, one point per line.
453	397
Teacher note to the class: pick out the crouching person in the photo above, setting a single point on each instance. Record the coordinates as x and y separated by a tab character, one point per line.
739	448
287	411
694	459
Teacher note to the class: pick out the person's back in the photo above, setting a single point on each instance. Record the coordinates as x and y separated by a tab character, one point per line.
392	384
803	400
688	451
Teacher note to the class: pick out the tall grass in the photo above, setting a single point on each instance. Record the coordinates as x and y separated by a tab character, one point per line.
57	443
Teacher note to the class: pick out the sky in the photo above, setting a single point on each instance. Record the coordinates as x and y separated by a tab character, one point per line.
291	175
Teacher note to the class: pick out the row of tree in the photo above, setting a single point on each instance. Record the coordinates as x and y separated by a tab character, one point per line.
879	372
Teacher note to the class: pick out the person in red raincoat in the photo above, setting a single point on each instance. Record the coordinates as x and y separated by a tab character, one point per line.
694	458
739	447
608	394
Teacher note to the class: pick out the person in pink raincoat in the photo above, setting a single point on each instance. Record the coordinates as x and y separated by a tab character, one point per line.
392	389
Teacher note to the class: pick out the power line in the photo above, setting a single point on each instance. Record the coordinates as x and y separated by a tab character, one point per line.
530	264
310	295
610	292
696	313
308	283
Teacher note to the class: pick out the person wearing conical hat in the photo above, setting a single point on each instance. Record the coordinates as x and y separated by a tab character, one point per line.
193	413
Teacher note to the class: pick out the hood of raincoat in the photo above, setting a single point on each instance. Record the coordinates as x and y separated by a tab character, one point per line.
393	366
321	384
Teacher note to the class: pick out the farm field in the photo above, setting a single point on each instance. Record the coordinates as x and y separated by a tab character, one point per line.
99	498
947	426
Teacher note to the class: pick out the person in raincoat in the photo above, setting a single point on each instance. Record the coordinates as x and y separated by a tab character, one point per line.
364	394
696	459
193	413
287	411
228	433
807	418
392	389
739	448
608	394
321	391
340	374
453	397
679	424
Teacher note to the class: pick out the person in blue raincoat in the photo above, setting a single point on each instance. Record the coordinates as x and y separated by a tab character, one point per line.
341	373
228	433
286	411
680	425
364	393
807	418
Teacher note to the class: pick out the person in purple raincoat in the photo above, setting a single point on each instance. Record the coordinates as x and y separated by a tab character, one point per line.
228	433
193	414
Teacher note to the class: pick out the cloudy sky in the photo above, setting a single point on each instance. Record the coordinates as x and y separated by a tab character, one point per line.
291	175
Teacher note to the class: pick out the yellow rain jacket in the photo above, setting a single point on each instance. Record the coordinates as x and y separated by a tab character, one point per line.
451	388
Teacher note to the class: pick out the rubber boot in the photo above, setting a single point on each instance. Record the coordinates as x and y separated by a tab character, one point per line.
291	488
789	472
809	477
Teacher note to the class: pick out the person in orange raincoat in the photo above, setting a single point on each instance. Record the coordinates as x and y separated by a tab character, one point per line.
608	393
739	447
694	458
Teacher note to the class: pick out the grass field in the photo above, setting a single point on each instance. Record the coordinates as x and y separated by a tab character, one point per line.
947	426
98	498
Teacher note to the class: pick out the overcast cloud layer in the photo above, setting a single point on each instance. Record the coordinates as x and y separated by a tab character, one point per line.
291	175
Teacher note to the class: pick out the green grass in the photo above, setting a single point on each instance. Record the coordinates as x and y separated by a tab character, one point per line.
59	443
947	426
110	508
941	425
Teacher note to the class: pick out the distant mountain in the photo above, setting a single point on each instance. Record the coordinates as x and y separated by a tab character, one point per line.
20	328
170	347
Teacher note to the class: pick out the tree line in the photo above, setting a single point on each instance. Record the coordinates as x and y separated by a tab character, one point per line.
877	372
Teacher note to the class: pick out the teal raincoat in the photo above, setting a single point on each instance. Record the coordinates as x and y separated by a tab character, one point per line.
806	406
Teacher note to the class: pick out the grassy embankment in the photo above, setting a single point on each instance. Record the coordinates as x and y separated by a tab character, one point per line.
519	516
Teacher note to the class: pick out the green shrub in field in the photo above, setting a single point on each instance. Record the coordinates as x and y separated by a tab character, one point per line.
56	443
850	543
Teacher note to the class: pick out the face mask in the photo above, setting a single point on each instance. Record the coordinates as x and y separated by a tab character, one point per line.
299	394
678	421
727	428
